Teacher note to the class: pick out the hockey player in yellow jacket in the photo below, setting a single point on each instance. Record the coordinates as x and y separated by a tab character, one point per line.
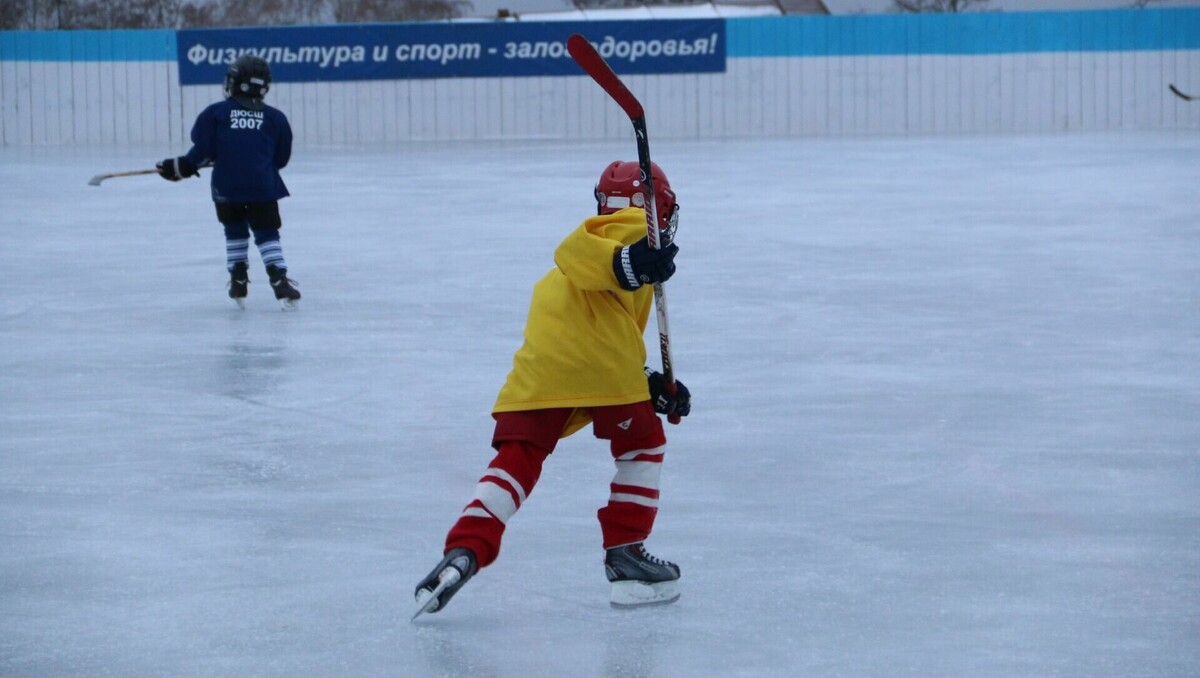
583	339
582	361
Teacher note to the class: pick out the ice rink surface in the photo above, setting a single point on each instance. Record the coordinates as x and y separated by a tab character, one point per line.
946	415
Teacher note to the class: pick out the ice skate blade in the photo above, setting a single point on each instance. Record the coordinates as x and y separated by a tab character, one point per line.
289	304
241	302
628	594
425	603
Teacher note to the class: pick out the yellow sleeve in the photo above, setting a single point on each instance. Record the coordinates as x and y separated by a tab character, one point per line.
586	255
584	344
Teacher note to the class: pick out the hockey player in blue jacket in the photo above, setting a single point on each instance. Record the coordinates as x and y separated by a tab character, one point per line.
247	142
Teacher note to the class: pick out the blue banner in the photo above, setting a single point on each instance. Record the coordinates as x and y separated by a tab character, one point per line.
1121	30
457	50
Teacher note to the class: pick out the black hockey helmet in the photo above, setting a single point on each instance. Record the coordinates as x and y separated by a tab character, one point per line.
248	77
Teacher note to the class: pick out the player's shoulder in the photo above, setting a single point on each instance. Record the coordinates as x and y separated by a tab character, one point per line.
271	110
627	225
216	108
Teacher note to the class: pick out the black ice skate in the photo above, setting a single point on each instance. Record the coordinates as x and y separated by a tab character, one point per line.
639	578
239	280
440	585
285	288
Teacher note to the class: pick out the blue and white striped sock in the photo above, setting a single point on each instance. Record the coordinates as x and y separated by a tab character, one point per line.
236	252
272	254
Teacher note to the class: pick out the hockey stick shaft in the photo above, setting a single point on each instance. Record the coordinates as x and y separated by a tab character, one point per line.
95	181
594	65
1181	95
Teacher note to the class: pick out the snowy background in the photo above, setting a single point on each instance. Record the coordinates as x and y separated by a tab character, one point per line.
527	9
946	415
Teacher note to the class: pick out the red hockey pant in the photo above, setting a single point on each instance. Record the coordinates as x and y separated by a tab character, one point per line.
523	440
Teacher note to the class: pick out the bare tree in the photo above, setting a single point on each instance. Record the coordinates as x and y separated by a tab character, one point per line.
262	13
112	14
13	15
108	15
351	11
933	6
104	14
197	15
621	4
28	15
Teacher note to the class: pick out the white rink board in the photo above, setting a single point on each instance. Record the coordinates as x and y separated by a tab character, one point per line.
140	102
760	98
89	102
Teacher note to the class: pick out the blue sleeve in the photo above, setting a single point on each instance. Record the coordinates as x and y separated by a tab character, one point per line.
283	150
204	139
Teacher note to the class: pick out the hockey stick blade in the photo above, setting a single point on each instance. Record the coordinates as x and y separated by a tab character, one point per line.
1179	94
590	61
449	577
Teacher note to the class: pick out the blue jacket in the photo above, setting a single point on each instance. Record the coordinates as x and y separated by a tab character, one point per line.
247	149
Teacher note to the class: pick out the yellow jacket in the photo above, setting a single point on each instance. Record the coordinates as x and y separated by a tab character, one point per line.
583	339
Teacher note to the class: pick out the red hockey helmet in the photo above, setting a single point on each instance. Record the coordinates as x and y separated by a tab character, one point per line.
620	186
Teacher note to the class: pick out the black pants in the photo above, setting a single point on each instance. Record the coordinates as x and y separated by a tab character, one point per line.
258	215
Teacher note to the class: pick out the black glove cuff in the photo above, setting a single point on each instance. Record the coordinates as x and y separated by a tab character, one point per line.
623	269
185	167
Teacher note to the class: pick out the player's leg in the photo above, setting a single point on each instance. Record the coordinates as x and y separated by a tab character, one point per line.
522	441
265	222
237	246
638	444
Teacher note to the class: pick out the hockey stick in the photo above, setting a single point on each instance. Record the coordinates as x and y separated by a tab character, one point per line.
95	181
1181	95
590	61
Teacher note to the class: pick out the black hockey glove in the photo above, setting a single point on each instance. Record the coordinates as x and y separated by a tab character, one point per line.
640	264
174	169
679	404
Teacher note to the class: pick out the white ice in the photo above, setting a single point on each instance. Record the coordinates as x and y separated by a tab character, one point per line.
946	415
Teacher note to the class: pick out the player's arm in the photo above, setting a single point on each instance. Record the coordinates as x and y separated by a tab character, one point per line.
283	145
594	262
188	165
586	259
678	403
640	264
